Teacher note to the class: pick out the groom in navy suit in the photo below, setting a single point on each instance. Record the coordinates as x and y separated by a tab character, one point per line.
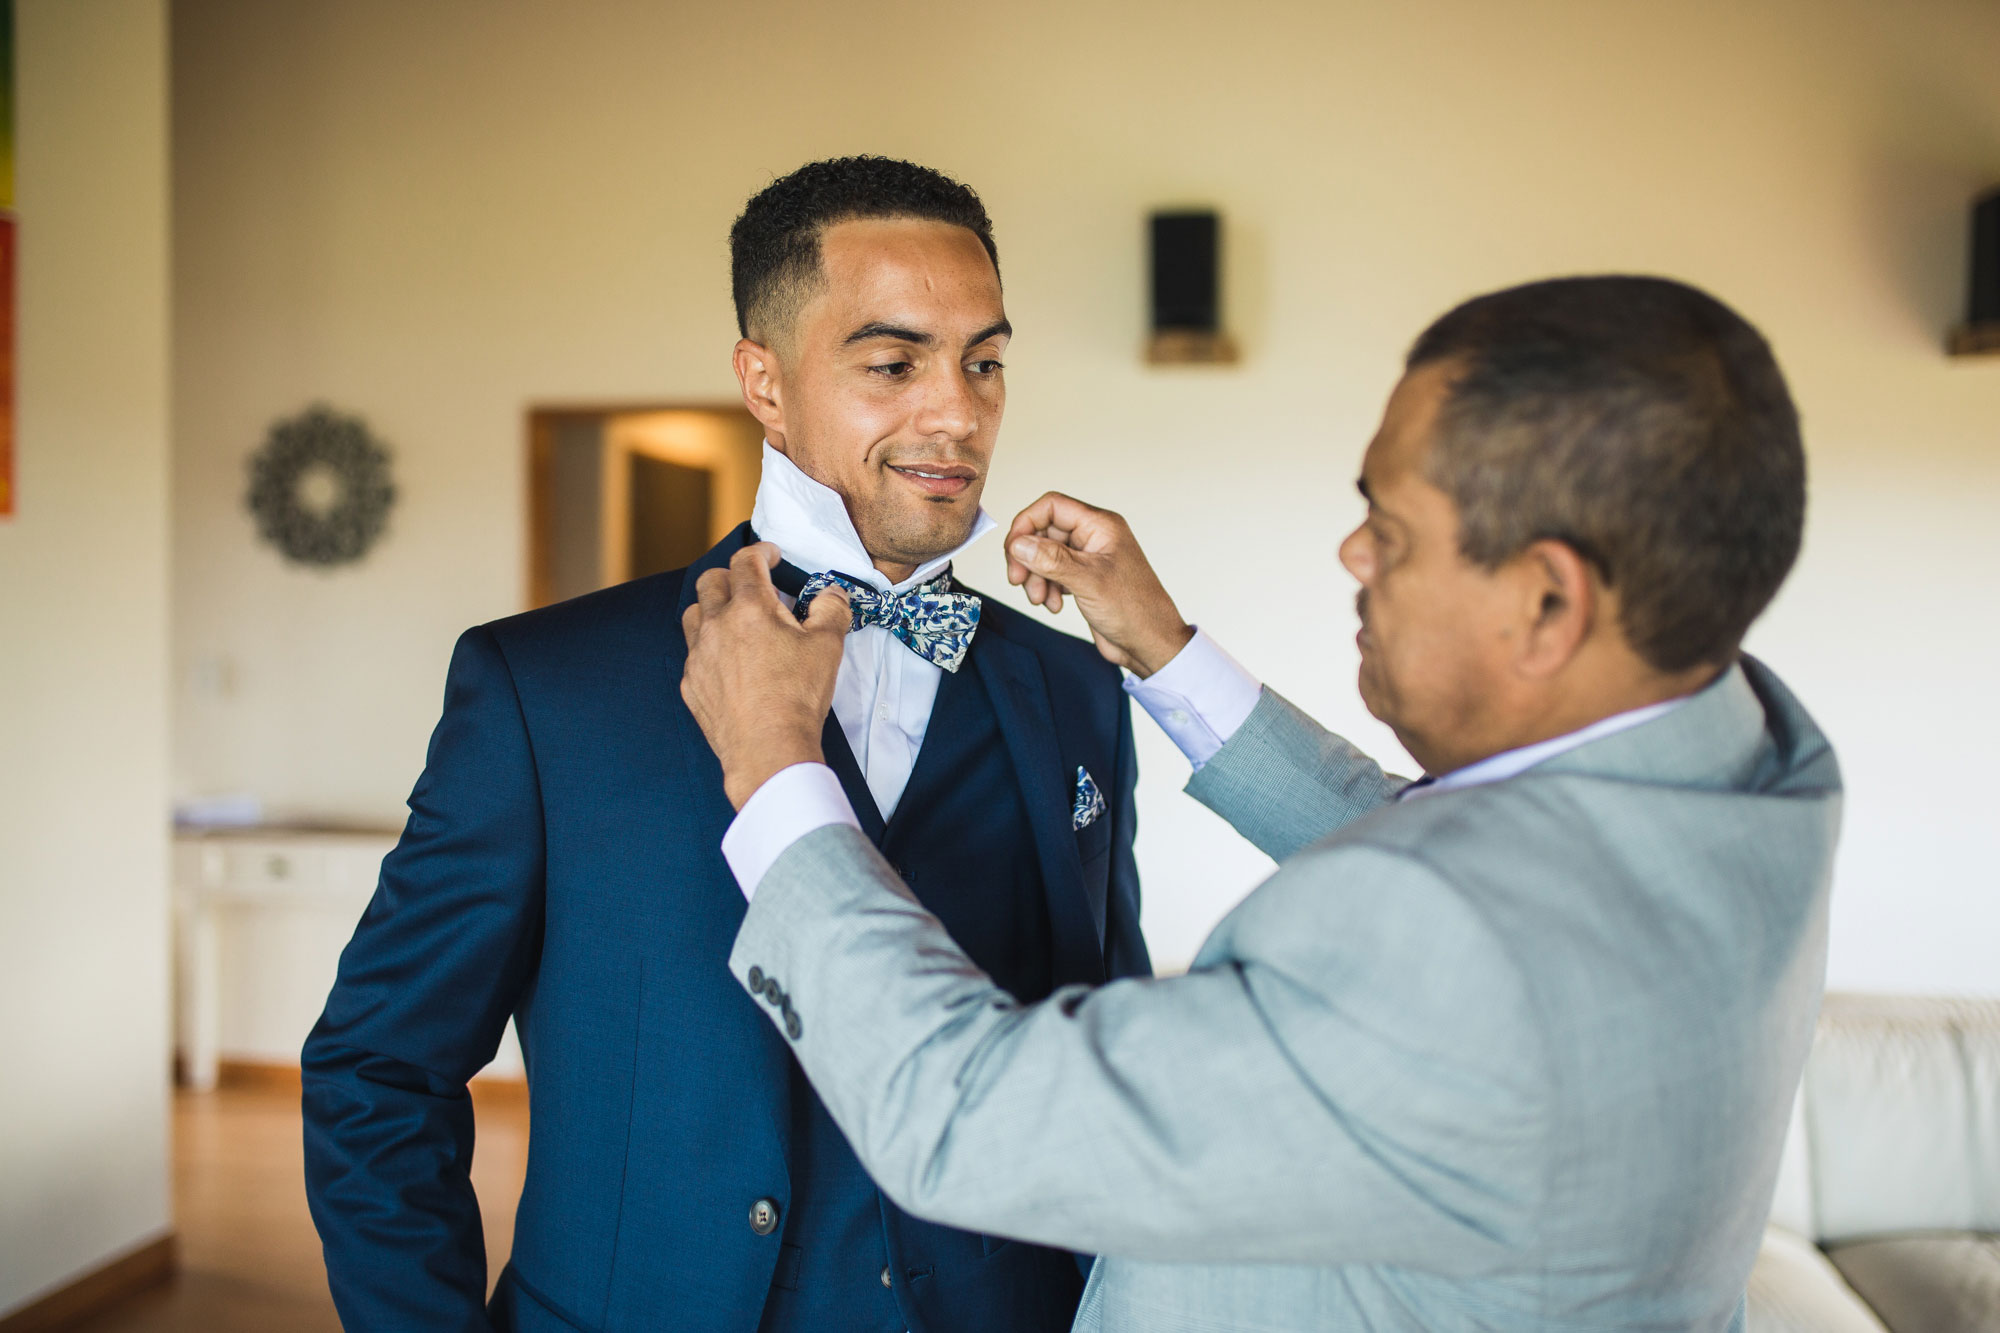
561	863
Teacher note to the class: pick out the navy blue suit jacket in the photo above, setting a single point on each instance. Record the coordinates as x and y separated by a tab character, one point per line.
562	864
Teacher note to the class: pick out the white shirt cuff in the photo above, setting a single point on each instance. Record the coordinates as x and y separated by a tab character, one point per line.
1199	698
792	803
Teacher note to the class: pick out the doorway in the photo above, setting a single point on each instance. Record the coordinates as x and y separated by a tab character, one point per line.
620	493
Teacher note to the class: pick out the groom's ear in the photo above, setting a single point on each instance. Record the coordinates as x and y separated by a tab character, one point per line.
762	381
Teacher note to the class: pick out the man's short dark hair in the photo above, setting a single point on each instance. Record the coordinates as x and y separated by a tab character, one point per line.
1643	423
774	255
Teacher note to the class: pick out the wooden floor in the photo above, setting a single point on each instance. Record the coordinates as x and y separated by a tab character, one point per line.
249	1256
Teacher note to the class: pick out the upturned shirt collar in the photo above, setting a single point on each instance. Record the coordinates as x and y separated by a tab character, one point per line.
1513	763
809	523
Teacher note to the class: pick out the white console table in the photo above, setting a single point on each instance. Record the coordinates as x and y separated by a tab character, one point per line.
261	915
243	895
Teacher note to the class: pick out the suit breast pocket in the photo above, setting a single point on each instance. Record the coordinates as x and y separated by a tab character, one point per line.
1093	841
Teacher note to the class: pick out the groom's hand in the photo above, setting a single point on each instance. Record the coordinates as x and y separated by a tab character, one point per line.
759	682
1060	547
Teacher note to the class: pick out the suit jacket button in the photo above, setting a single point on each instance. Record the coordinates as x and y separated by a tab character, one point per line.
887	1281
793	1028
764	1216
756	981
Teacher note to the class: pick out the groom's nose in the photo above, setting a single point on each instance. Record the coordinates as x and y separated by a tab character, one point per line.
948	410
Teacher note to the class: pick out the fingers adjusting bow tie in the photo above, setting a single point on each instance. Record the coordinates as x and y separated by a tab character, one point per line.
934	622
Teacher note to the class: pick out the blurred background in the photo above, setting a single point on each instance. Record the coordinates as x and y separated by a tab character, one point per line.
495	232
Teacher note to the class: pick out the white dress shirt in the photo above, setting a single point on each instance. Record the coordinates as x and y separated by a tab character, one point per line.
884	693
1199	699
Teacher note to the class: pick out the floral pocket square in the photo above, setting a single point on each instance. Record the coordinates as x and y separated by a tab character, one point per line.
1089	802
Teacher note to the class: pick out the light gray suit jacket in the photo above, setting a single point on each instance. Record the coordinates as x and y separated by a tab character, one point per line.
1518	1056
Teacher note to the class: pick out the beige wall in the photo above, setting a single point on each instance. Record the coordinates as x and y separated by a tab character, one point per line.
438	214
83	645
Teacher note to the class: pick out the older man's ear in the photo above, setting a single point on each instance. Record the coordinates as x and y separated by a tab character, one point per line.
1562	604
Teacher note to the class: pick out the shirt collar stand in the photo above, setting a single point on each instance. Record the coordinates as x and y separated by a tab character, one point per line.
809	523
1512	763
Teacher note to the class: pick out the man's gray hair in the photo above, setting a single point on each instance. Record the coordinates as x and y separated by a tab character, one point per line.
1644	424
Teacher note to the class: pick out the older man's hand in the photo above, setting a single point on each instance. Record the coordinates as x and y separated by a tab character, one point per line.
1061	547
758	681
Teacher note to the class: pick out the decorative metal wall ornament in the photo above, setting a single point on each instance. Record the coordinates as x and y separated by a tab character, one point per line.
319	487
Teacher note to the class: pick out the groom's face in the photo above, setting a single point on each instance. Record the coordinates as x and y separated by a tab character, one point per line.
889	387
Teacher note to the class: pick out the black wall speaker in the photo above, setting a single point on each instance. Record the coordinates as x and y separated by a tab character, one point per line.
1984	307
1185	292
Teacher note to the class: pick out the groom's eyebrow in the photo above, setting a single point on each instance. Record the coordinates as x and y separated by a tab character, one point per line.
1001	330
877	329
898	333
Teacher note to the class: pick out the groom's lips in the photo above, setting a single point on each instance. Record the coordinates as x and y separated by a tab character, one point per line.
936	478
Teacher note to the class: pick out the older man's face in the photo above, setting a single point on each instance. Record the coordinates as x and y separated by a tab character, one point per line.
893	389
1434	626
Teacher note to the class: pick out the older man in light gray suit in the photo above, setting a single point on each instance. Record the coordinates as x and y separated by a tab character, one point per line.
1509	1048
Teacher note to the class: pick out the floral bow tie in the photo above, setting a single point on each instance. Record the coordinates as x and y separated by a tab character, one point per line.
933	622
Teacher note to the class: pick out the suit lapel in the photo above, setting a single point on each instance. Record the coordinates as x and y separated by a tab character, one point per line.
1020	695
707	783
840	758
775	1076
718	557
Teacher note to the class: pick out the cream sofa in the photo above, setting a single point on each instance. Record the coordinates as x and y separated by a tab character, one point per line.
1888	1201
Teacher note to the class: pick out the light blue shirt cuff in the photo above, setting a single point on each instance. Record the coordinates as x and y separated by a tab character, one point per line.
794	802
1199	698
